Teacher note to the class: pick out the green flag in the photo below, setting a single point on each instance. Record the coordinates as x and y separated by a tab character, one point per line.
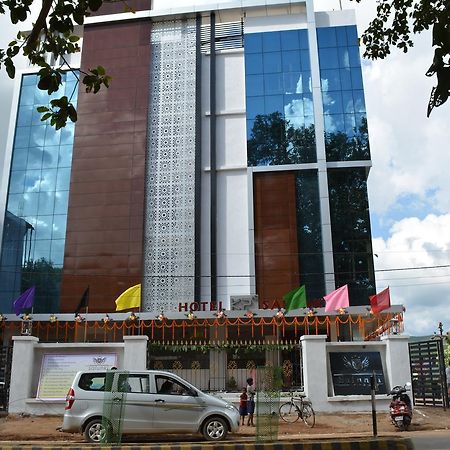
295	298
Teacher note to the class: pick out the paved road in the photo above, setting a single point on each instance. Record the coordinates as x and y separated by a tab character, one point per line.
437	440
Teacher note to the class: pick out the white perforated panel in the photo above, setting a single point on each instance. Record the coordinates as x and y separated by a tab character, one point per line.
169	240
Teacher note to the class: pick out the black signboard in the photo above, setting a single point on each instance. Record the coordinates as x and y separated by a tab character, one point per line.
351	372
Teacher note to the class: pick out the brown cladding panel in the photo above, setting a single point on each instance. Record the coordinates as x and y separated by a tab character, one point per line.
106	204
276	248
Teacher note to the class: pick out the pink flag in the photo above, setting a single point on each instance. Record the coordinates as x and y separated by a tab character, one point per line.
380	301
337	299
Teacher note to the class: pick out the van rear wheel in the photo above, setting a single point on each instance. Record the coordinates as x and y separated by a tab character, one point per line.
215	429
95	431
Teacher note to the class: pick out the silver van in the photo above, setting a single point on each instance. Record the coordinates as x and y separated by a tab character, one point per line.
147	402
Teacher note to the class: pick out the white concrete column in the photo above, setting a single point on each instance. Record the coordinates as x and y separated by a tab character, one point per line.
135	352
314	355
397	360
21	372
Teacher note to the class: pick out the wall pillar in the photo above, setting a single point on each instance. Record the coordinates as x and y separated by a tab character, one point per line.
397	360
315	373
21	372
135	352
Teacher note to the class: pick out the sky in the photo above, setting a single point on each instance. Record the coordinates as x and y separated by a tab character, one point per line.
408	185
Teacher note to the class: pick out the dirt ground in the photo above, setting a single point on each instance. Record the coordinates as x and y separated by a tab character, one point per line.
46	428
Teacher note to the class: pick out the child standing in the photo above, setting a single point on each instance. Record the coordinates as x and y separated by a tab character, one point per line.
243	405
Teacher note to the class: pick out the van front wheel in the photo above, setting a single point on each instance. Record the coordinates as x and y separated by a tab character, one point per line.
215	429
95	431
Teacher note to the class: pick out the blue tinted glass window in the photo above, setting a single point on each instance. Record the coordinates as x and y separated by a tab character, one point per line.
34	158
28	80
273	83
358	100
334	123
352	35
254	85
250	124
289	40
15	203
41	97
291	61
304	58
44	227
67	134
341	36
328	58
271	41
356	76
19	161
17	181
30	204
274	103
65	156
272	62
42	250
253	43
253	63
22	137
61	202
347	101
32	181
63	179
308	105
326	37
293	83
344	57
333	103
37	138
354	56
303	38
330	80
52	136
24	115
27	95
306	82
59	228
346	80
255	106
350	124
293	106
57	252
50	157
46	203
48	180
72	90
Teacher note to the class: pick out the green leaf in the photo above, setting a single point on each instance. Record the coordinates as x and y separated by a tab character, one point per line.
10	68
74	38
42	109
45	117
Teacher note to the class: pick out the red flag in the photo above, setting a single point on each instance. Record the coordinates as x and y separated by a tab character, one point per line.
380	301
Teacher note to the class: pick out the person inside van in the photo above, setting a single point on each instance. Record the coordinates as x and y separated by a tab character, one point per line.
166	387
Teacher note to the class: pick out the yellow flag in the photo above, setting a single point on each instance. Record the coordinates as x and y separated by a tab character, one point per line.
131	298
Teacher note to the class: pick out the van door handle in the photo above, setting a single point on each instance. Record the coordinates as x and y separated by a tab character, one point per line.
160	400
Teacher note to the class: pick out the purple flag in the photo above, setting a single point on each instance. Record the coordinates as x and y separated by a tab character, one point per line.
25	301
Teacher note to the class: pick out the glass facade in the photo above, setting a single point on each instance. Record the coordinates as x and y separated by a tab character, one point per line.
280	122
35	221
309	233
350	226
346	137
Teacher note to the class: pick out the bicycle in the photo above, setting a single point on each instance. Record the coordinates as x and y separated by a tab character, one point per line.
296	408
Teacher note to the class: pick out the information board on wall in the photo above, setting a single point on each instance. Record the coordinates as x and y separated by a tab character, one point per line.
352	371
58	371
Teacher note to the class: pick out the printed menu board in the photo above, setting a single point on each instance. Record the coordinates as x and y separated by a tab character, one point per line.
58	371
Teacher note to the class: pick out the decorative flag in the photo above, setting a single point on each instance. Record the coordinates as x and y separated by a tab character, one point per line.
295	298
131	298
84	302
25	301
380	301
337	299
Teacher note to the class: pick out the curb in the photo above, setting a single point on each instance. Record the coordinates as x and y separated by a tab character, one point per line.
370	444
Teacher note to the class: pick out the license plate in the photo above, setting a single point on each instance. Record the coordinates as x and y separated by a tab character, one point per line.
398	419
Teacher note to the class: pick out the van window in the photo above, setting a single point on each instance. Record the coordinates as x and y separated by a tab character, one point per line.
170	386
92	382
134	383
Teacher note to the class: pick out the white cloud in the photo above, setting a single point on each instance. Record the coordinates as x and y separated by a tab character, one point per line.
424	292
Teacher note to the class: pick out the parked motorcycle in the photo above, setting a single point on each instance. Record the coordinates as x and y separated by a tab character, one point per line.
401	407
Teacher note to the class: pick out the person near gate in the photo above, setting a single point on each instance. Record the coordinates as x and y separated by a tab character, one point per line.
243	405
250	402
